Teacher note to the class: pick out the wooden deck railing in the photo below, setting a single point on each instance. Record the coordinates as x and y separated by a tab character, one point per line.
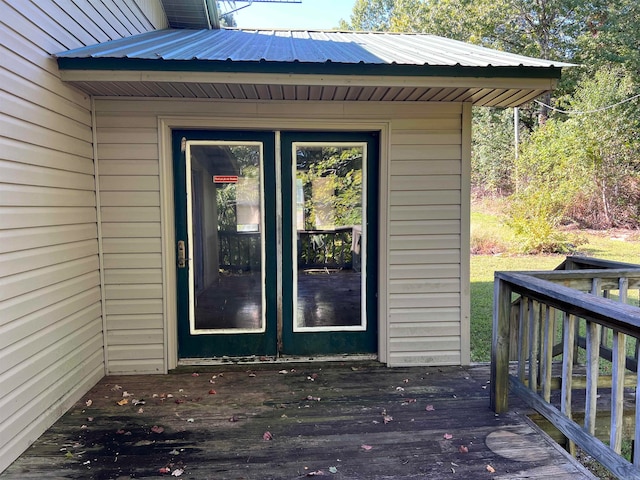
547	321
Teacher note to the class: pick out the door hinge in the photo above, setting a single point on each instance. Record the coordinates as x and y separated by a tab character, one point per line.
182	254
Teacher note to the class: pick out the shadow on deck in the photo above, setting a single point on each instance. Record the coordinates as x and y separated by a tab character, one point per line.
341	420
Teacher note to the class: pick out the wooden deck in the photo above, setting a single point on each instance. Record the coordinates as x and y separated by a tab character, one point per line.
287	421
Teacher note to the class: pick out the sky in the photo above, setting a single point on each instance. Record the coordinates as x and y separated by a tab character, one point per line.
307	15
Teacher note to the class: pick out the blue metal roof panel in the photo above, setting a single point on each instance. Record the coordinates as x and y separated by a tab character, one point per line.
286	46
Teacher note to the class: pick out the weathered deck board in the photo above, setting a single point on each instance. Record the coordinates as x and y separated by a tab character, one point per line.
108	441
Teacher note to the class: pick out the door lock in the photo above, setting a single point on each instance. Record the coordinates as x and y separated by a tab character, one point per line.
182	254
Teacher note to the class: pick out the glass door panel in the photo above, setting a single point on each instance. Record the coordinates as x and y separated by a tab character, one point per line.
226	247
329	226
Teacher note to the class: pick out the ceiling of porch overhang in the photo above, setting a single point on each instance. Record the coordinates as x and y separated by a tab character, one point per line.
306	65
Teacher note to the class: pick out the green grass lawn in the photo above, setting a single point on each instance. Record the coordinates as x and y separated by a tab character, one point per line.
620	246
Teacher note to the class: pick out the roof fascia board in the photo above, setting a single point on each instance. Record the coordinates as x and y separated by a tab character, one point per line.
327	68
310	80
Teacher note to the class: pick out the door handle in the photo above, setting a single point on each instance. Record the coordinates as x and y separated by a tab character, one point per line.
182	254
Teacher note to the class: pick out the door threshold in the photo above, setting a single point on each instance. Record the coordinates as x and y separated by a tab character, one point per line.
254	359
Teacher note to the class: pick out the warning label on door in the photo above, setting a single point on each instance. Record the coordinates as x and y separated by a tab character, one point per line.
225	179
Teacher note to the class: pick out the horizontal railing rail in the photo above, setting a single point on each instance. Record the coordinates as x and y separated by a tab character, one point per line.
533	311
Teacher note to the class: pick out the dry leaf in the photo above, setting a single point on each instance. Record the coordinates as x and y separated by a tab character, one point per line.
194	374
233	418
463	449
140	410
430	408
283	372
490	469
126	394
88	403
164	470
157	429
115	388
406	380
387	419
177	472
317	473
122	402
190	420
366	448
447	436
266	436
399	389
212	392
333	470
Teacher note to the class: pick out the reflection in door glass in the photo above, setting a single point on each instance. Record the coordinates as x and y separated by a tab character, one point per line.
328	222
226	245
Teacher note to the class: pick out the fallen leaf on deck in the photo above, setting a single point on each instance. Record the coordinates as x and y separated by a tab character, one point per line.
126	394
88	403
354	369
122	402
430	408
115	388
140	410
366	448
179	401
138	402
283	372
333	470
312	398
463	449
251	374
233	418
212	392
164	470
387	419
407	401
406	380
317	473
89	419
266	436
490	469
190	420
157	429
399	389
447	436
177	472
194	374
174	452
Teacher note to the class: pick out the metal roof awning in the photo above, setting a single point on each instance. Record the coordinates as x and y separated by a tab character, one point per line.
306	65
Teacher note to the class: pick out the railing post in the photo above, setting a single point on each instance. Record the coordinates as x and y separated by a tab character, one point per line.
500	346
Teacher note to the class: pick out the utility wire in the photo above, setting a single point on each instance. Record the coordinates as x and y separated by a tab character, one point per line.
578	112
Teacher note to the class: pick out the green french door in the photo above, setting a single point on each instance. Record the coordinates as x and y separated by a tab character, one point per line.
274	248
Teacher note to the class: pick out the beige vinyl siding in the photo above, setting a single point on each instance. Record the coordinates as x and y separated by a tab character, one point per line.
425	196
421	295
51	325
130	209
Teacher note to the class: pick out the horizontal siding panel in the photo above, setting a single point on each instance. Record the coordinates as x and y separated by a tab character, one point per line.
422	329
136	352
132	337
133	199
36	115
30	324
132	276
139	151
403	110
25	217
119	121
135	367
136	183
22	239
17	307
34	155
42	136
424	227
139	260
130	230
133	292
426	344
133	307
49	387
423	300
25	260
134	322
425	197
130	214
428	257
425	152
426	167
131	245
425	316
424	271
418	358
28	196
128	167
430	285
425	182
425	242
122	135
439	123
422	137
22	174
423	212
14	285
